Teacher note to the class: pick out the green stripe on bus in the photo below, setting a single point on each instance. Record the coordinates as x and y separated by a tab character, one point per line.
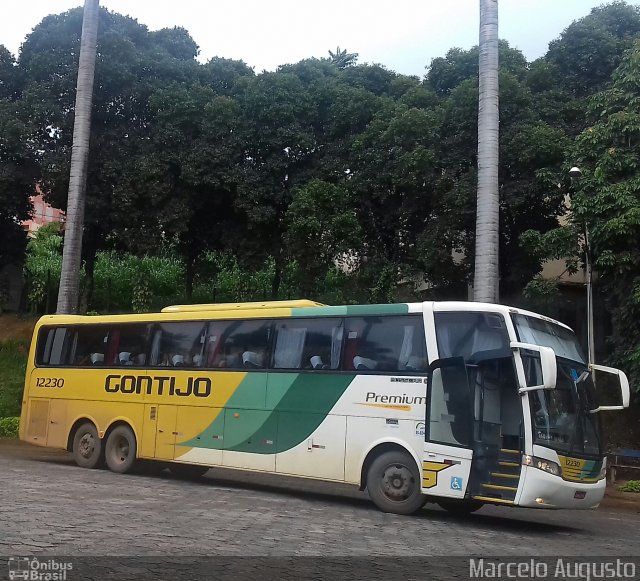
301	402
396	309
298	414
248	398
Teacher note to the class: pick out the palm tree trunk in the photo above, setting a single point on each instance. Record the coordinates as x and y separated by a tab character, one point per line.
486	278
70	275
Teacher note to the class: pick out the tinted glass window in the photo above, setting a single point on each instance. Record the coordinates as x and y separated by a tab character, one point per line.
308	344
243	345
178	344
474	336
449	406
53	346
89	345
213	352
128	345
394	343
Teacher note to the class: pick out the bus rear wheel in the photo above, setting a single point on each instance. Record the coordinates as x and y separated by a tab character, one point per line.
393	482
87	446
188	471
120	450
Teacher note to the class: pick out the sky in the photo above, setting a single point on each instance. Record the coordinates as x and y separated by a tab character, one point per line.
403	35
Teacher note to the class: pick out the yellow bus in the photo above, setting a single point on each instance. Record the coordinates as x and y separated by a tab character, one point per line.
458	403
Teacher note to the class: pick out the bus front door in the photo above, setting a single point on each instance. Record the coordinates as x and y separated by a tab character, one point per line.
447	449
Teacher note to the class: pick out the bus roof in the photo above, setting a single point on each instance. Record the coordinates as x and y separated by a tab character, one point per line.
300	303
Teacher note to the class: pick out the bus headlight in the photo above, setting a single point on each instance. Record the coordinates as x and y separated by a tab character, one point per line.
541	464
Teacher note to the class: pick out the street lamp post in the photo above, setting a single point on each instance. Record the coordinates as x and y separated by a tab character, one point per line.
575	173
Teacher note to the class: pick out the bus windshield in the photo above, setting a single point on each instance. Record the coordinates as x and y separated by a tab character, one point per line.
540	332
562	417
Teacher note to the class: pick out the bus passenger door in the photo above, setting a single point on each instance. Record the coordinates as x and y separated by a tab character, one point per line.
447	456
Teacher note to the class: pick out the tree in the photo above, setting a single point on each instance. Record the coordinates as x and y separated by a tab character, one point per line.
343	59
132	63
589	50
19	167
607	198
609	201
486	277
70	274
321	213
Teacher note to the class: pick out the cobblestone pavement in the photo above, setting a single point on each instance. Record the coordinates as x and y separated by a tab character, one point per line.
48	506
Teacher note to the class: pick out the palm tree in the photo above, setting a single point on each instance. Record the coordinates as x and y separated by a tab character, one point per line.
487	219
70	275
343	59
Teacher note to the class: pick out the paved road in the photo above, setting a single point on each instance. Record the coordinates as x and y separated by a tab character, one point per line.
48	506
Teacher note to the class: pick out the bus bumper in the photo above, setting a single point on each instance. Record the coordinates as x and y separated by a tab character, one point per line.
543	490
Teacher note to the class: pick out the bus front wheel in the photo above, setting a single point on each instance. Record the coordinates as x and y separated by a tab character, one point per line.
393	482
120	450
87	446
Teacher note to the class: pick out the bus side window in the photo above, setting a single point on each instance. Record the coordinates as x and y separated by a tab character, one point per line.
129	345
213	353
179	344
245	345
386	343
88	345
313	344
53	345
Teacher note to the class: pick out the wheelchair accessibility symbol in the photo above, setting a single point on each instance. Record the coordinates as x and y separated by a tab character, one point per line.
456	483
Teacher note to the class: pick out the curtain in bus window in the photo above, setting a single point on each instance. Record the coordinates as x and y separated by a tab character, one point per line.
406	350
212	354
52	346
539	332
74	347
155	347
289	347
336	345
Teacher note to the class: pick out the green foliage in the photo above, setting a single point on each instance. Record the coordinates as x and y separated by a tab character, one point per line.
126	282
322	213
13	360
631	486
9	427
588	51
42	265
343	59
325	178
222	278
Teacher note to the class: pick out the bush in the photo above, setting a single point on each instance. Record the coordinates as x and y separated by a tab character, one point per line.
631	486
9	427
13	360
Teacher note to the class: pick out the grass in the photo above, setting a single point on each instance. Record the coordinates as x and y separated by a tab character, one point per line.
631	486
13	359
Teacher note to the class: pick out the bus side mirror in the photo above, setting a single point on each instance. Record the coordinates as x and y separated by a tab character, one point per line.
548	366
621	381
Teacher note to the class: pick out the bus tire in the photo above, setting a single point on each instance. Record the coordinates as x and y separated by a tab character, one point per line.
120	449
460	507
393	483
188	471
87	446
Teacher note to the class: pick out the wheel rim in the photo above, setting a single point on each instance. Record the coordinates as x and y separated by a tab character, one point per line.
120	450
87	445
398	483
